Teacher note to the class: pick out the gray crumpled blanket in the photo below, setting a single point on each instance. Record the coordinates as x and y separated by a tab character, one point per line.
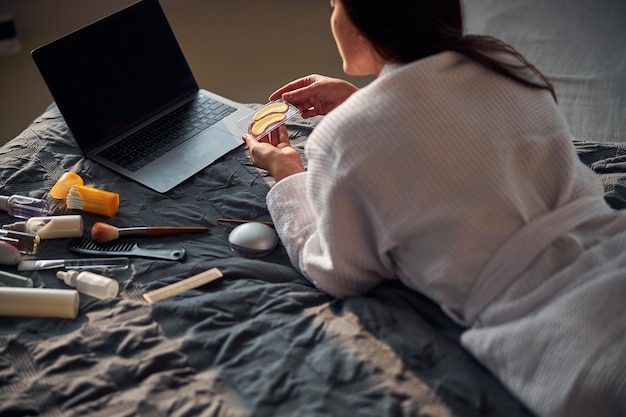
261	341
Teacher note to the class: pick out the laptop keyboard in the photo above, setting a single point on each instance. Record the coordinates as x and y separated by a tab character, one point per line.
156	139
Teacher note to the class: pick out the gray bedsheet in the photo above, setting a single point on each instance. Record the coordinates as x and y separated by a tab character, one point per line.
260	341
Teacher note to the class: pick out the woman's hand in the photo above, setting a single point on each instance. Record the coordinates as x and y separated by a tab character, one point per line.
315	95
274	153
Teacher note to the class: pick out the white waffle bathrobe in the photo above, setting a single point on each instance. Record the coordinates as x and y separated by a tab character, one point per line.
465	186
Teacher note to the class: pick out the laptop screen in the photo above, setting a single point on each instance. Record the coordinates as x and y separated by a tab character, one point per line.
116	73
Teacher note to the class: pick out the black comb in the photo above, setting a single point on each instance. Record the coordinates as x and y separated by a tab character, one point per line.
92	247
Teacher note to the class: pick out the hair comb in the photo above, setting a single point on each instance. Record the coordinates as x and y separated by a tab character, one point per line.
91	247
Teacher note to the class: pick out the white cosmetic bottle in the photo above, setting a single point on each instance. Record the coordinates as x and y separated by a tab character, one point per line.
97	286
38	302
50	227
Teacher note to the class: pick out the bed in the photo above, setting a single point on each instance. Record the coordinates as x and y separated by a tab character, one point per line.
261	340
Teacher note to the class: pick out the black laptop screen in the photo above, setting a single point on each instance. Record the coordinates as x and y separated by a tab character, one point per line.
116	73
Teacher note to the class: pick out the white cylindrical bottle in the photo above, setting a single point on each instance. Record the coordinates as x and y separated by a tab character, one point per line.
38	302
88	283
50	227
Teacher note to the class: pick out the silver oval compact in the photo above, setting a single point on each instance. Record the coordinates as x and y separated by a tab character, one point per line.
253	240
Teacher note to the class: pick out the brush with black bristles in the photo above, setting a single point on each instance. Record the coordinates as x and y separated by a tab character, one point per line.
102	232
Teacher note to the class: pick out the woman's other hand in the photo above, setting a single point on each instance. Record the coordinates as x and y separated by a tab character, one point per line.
315	95
274	153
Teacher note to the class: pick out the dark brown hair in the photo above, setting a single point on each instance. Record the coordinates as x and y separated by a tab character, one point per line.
408	30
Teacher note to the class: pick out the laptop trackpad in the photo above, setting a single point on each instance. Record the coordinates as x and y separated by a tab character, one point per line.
205	148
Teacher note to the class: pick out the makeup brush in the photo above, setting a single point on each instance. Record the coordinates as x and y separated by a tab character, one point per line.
102	232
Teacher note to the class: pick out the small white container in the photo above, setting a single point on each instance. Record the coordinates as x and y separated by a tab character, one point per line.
97	286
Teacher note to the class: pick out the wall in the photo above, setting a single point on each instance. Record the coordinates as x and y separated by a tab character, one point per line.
242	49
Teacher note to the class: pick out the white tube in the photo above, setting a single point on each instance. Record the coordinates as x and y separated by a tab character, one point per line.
55	227
38	302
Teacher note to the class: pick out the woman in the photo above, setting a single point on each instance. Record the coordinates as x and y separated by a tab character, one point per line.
454	172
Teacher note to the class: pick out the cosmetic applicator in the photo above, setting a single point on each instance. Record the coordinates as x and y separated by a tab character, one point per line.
92	200
77	195
102	232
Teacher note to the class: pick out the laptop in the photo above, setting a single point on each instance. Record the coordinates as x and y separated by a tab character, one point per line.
118	81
